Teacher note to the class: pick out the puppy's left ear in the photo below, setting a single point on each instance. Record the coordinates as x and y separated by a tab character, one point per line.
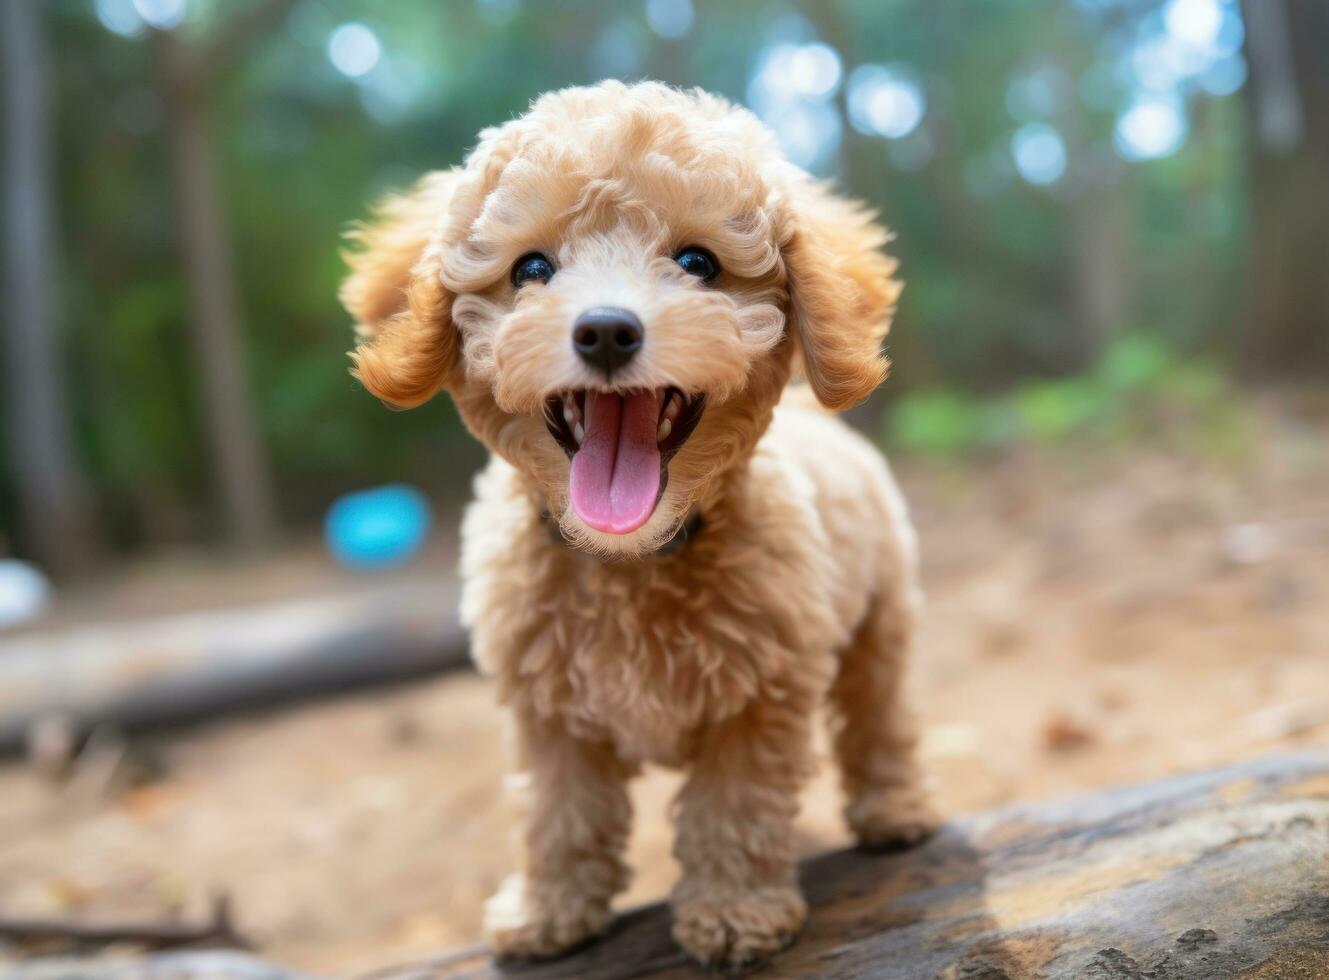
409	347
841	292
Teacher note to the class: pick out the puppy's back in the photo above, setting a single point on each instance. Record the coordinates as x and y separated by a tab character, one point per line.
858	500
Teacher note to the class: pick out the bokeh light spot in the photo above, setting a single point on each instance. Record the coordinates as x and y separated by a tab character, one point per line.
1225	76
1039	153
671	19
1197	22
120	17
1149	129
354	49
885	101
791	90
164	15
814	70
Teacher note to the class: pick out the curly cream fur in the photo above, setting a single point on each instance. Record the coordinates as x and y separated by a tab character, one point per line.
800	589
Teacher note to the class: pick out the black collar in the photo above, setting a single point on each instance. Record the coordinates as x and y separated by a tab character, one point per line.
692	526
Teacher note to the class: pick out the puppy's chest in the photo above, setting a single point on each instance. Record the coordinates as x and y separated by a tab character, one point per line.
650	655
649	659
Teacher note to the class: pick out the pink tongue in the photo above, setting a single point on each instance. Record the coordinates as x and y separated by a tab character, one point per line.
616	472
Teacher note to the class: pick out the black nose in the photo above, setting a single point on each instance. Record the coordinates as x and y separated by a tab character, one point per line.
607	337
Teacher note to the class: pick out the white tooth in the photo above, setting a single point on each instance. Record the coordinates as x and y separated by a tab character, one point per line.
662	433
578	433
674	407
569	416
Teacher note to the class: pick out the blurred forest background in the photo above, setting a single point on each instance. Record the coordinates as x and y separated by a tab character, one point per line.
1095	199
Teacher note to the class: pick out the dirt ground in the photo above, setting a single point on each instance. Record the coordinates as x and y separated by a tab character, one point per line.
1095	617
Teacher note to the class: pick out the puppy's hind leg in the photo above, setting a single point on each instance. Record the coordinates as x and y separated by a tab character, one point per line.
874	732
577	826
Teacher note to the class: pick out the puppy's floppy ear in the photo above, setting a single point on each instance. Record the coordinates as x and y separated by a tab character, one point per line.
409	346
841	291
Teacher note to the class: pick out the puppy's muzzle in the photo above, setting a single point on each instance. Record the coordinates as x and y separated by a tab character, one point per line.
606	338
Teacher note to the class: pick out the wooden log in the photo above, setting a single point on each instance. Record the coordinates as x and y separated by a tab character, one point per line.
1204	877
179	668
1211	876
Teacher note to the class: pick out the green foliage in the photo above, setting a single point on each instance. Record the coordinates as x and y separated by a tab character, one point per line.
946	421
1141	391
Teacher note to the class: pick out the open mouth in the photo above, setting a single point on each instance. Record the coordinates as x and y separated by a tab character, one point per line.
620	445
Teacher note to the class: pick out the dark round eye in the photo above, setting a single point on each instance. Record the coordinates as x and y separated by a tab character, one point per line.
696	261
531	267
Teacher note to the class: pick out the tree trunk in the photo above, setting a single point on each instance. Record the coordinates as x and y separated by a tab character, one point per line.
239	463
1287	306
1099	287
52	502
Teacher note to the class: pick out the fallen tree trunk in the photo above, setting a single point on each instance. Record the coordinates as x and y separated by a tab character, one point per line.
1199	877
180	668
1204	877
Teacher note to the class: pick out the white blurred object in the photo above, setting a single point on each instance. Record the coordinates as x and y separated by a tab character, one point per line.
1248	544
24	593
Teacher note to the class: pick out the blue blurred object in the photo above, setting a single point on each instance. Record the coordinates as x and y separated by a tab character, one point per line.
378	528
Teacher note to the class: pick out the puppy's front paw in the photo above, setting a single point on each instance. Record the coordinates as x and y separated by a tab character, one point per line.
892	816
734	929
523	920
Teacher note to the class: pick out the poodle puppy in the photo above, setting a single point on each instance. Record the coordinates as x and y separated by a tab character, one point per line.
674	556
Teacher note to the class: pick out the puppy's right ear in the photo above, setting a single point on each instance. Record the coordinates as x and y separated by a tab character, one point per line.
409	347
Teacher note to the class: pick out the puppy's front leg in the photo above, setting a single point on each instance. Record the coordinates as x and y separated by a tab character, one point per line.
578	820
738	900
